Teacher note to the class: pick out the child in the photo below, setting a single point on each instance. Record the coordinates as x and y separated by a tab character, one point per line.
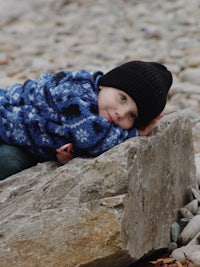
82	112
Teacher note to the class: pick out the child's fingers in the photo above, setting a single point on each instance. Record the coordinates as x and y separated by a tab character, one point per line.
66	147
64	156
64	153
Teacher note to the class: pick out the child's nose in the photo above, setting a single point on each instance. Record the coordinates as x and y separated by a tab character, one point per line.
120	114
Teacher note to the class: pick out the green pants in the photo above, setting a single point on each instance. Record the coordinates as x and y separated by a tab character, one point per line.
14	159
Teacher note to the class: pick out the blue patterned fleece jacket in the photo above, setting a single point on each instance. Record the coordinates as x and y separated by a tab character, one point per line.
56	109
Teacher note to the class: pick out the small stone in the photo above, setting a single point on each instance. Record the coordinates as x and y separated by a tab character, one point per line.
191	229
192	253
175	231
186	213
172	246
193	61
178	254
192	206
191	75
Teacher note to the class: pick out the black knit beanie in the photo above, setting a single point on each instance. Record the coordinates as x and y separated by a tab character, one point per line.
147	83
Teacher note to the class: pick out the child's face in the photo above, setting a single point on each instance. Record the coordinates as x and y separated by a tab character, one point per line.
117	107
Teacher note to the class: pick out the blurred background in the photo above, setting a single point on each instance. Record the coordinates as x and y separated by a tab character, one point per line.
47	35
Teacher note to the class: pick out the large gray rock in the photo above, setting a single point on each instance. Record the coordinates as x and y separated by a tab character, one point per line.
106	211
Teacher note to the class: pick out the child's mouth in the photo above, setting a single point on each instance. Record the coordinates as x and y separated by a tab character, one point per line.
110	118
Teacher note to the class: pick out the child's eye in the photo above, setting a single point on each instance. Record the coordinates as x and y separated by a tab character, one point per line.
123	97
133	117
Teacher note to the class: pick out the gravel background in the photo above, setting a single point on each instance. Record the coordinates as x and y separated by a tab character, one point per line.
47	35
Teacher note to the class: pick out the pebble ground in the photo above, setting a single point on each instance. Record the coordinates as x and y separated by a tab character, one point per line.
47	35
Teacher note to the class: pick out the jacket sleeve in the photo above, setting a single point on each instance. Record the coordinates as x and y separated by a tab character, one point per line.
81	125
99	137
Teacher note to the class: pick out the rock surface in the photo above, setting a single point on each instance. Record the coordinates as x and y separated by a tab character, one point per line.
48	35
98	212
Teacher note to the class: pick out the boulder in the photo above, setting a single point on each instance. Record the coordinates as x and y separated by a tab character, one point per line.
106	211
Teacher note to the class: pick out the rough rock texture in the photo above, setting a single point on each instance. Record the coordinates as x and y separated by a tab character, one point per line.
107	211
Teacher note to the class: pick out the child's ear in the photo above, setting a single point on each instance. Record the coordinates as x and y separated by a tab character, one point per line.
160	116
147	129
156	119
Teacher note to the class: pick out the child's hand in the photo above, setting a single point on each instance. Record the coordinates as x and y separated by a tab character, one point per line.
64	154
150	126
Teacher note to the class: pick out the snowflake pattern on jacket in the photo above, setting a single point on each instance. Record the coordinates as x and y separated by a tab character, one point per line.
57	109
